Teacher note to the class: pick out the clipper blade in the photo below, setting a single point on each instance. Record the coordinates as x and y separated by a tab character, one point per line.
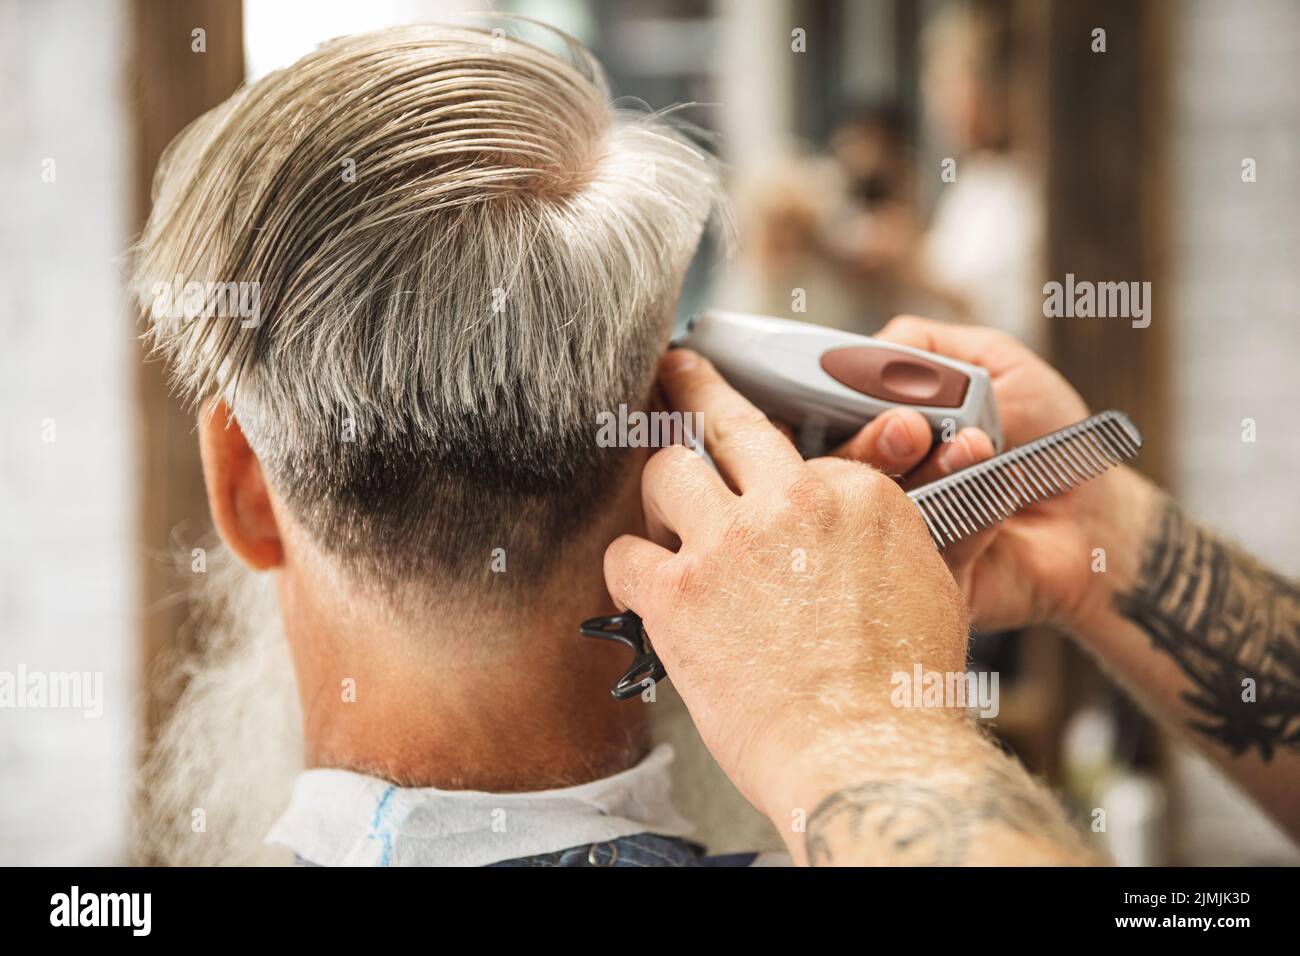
971	500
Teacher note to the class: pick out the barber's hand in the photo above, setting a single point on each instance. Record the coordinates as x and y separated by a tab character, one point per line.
1035	567
781	594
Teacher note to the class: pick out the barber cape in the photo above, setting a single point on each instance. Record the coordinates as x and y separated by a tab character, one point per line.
340	818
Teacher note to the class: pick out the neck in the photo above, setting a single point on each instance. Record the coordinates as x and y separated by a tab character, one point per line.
497	701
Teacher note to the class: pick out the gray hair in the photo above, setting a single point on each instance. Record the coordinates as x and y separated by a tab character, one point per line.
462	252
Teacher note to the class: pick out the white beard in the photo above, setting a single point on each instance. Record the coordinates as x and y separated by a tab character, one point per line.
233	744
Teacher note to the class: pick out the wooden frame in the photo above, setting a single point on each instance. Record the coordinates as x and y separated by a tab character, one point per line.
170	83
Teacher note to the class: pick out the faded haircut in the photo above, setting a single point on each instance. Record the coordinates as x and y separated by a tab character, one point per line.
462	253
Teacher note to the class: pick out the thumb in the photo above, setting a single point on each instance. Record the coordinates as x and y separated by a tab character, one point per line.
894	442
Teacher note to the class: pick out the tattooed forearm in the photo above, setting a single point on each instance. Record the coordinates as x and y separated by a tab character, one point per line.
1232	626
925	823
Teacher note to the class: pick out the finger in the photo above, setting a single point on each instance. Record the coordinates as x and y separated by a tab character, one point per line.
987	348
630	566
747	448
785	430
965	553
680	493
968	447
895	442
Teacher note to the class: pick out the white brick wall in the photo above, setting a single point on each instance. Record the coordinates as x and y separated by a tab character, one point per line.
67	555
1236	272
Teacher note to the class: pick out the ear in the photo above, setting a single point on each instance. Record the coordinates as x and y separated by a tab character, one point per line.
237	491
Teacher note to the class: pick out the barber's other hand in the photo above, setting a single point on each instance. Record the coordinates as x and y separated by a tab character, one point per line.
1037	566
781	594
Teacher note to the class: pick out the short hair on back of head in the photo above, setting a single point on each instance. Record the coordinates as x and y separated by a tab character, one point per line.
462	253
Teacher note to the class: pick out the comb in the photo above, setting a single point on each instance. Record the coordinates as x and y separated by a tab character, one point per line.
970	500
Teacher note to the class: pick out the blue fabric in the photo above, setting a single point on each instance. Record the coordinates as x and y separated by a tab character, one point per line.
640	849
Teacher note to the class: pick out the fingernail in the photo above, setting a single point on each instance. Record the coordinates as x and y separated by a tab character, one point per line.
678	360
897	439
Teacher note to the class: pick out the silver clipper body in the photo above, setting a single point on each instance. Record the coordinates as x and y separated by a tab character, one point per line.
824	381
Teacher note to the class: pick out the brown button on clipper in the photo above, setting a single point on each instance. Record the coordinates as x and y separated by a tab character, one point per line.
894	377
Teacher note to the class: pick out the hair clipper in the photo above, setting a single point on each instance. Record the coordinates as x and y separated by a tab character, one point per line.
828	384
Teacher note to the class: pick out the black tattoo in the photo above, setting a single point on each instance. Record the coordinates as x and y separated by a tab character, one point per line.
1232	626
915	824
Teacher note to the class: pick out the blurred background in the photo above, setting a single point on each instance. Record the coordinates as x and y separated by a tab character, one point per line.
944	157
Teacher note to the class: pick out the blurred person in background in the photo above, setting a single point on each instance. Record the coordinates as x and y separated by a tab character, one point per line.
843	228
844	225
985	241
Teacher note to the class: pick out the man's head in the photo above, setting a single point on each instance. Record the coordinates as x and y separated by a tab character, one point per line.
460	253
457	253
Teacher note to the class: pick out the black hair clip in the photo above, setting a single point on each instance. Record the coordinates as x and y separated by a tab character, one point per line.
627	629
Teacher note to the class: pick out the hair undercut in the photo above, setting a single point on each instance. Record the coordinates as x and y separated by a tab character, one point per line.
462	252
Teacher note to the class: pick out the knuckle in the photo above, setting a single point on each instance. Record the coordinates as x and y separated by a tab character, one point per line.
678	580
835	469
871	482
741	533
895	500
881	502
809	496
